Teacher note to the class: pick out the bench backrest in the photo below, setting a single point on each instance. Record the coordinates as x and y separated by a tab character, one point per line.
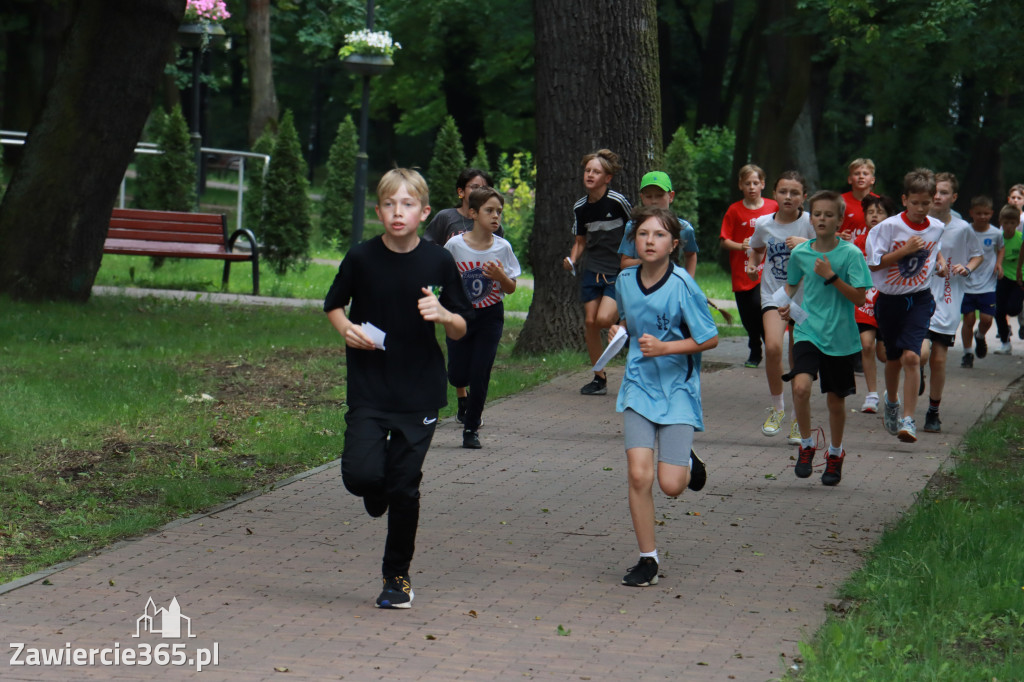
168	226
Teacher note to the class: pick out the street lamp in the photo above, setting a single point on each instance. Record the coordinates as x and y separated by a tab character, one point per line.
197	37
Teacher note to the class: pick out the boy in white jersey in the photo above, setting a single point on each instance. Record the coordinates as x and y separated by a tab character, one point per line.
962	252
980	288
903	254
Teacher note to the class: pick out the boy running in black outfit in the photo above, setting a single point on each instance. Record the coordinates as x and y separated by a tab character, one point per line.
396	384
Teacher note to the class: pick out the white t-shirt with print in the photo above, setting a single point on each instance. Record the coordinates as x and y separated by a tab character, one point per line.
483	291
771	235
911	273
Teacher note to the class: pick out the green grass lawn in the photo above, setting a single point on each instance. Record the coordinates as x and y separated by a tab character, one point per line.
123	414
942	594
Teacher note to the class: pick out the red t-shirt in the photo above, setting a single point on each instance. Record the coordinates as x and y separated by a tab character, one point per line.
737	225
853	219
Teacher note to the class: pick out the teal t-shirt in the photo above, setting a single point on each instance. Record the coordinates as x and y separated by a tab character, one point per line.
1011	254
830	324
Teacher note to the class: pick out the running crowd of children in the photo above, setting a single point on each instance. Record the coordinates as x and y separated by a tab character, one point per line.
837	280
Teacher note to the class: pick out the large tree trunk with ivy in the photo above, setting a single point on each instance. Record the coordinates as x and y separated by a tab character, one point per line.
609	98
263	109
54	216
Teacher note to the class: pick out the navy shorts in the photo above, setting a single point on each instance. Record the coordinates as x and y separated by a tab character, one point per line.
835	371
984	303
594	285
903	321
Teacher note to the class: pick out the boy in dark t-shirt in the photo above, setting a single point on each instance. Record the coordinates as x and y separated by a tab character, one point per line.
396	381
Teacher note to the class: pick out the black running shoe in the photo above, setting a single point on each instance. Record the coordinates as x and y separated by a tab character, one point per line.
470	440
397	593
833	469
376	505
932	423
698	473
980	346
599	386
752	362
460	415
968	361
804	462
643	574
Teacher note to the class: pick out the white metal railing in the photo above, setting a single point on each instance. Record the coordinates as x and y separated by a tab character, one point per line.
17	138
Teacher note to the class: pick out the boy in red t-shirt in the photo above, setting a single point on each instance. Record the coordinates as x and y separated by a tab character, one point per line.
737	226
861	179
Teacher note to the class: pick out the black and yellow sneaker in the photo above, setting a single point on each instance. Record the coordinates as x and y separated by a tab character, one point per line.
397	593
643	574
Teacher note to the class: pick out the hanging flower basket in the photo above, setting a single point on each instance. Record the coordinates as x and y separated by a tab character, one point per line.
368	53
367	64
201	35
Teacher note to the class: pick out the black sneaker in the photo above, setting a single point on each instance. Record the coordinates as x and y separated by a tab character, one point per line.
460	415
932	423
804	461
752	362
376	505
698	473
470	440
980	347
643	574
397	593
599	386
833	469
968	361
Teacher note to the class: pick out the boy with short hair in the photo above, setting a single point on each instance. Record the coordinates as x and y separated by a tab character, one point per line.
1015	197
835	279
1009	288
980	288
903	254
962	252
737	227
861	179
395	384
656	190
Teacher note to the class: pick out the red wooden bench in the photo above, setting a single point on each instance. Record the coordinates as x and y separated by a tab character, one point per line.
173	234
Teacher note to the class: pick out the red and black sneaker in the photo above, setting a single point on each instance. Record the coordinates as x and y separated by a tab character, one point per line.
833	469
803	462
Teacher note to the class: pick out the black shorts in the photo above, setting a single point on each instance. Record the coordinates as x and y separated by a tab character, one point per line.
946	340
865	327
836	371
903	321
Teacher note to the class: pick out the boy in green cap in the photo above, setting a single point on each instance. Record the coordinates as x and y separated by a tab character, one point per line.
656	190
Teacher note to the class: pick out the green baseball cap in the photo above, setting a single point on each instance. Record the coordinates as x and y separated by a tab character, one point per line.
657	178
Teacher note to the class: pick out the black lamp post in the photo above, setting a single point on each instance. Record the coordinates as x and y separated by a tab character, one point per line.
197	38
365	66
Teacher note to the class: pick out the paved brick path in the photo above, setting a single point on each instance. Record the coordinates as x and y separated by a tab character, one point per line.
528	534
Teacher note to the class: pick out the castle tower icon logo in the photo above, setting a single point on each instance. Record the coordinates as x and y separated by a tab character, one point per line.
167	622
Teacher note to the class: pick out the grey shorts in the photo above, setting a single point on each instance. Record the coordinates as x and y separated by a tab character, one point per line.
674	440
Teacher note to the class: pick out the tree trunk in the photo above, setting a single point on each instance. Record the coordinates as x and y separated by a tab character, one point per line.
54	216
609	99
264	108
714	57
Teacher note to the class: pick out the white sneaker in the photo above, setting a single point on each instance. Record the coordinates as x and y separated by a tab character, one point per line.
1004	348
870	403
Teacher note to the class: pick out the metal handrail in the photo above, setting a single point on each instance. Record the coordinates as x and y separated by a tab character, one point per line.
17	138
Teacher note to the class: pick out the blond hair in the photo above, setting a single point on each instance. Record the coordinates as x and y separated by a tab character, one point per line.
752	169
609	161
1009	212
857	163
919	181
396	177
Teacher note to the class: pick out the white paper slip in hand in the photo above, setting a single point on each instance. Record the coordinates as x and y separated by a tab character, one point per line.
781	298
614	346
376	334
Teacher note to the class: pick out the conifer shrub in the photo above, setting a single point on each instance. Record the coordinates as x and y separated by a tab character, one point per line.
287	224
448	160
339	186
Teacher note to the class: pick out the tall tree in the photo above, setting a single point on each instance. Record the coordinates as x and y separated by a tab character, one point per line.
608	99
54	216
263	103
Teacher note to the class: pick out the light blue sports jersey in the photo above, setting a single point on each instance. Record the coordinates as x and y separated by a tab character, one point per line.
687	240
665	390
830	323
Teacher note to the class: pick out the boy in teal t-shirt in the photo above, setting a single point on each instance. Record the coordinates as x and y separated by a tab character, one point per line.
1009	286
835	280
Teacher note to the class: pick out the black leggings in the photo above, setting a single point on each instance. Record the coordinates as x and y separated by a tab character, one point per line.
471	358
748	303
1009	299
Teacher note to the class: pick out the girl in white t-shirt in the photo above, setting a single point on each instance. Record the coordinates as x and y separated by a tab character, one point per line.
775	236
489	269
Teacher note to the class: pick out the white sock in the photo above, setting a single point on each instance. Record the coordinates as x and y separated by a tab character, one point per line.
653	555
835	450
872	394
779	402
807	442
